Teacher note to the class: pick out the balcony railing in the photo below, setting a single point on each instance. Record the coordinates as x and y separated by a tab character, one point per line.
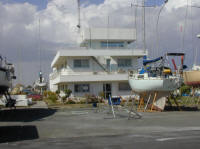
61	73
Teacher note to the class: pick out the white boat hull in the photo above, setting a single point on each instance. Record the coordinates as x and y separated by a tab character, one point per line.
154	84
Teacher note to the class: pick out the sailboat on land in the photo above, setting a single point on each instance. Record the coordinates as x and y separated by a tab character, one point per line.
40	85
155	79
192	77
6	75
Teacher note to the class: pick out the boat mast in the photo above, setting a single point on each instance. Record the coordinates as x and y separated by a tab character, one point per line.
79	16
144	26
39	47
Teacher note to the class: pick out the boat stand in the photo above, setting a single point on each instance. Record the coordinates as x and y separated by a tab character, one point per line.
141	105
154	99
133	112
147	103
9	101
112	108
99	108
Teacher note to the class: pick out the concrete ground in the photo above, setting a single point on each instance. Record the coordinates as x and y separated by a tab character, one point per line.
85	128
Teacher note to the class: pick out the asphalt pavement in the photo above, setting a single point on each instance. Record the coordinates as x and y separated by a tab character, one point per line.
87	128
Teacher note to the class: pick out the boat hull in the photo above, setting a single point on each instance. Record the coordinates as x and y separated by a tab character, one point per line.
192	78
149	85
4	82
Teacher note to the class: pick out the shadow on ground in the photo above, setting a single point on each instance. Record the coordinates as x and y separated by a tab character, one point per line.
181	108
18	133
25	115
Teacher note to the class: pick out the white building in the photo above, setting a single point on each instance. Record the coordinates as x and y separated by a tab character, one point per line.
102	66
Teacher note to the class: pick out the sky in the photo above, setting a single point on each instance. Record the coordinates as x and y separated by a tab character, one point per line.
19	29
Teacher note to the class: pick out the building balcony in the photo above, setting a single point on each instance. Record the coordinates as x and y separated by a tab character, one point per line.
62	55
66	77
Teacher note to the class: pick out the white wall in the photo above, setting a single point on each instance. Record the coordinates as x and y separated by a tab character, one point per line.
52	87
93	66
97	87
116	92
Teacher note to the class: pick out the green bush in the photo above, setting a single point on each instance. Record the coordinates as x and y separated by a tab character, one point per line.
67	93
52	96
45	93
185	89
57	92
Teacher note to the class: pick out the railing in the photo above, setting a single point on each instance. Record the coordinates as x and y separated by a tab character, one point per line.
56	74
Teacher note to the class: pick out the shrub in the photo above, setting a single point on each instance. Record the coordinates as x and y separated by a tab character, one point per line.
83	101
185	89
91	98
45	93
102	95
58	92
71	101
67	93
52	96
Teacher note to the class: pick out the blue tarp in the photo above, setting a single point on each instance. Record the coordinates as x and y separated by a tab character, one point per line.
145	61
115	100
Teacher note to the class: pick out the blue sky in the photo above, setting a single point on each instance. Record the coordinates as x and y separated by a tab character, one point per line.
41	4
155	2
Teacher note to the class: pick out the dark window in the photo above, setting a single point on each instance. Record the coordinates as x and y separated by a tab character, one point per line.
124	62
81	88
112	44
124	86
81	63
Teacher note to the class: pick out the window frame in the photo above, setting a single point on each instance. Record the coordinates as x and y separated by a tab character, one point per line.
83	63
122	89
78	88
124	64
112	44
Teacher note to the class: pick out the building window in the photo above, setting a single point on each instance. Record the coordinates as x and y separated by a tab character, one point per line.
62	87
81	88
124	62
112	44
124	86
81	63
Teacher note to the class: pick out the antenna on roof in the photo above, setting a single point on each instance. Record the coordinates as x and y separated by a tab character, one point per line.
108	25
79	16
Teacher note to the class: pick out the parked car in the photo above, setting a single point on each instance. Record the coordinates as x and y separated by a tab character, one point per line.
27	91
35	96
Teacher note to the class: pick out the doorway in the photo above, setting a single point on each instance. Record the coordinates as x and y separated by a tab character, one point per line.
107	89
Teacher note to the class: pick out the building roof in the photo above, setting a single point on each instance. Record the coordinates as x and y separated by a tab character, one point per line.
97	52
108	34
